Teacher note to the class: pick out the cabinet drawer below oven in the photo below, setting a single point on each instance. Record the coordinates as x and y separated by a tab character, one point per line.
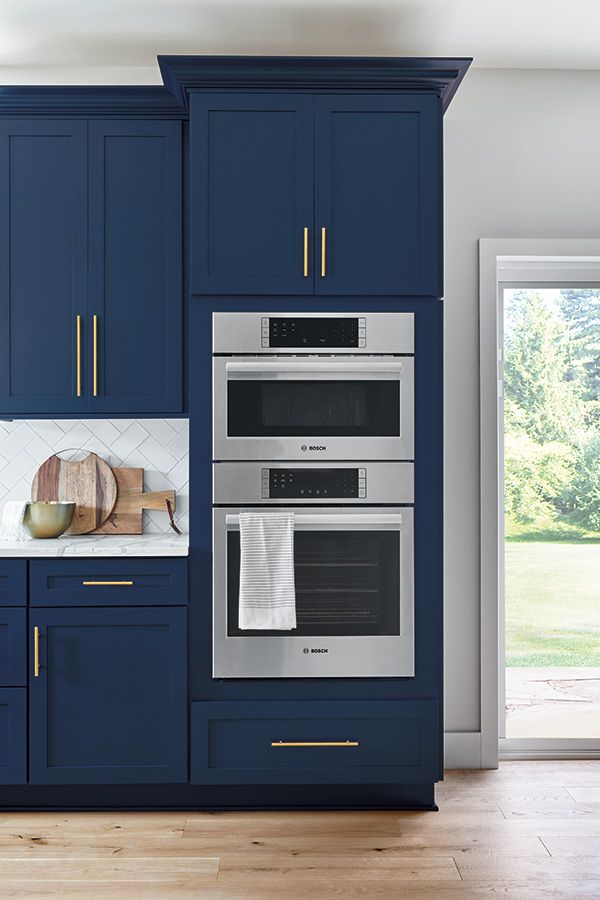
314	742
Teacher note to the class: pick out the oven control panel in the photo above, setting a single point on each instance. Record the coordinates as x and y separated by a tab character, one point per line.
313	333
319	485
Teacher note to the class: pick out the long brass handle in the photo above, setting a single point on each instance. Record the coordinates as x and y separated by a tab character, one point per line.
306	252
36	651
95	356
89	583
79	356
323	240
314	743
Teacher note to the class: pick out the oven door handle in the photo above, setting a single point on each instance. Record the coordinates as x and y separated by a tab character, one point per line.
312	370
363	520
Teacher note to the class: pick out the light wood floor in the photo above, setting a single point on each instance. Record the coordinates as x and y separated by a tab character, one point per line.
529	831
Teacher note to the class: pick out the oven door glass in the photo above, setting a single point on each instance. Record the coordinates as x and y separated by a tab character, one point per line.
325	396
347	583
302	408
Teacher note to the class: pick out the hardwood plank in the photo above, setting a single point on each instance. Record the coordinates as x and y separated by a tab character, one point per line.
585	794
405	870
571	845
559	809
146	869
574	867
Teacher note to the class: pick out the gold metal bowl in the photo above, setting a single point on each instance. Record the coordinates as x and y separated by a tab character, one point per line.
48	518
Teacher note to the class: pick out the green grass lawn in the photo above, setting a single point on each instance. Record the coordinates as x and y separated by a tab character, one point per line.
552	603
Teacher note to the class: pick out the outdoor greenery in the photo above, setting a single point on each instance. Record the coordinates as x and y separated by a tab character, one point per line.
553	604
552	477
552	414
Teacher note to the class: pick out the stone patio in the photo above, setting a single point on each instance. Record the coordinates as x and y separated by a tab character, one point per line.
553	702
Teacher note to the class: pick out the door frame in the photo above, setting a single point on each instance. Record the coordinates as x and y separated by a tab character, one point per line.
506	262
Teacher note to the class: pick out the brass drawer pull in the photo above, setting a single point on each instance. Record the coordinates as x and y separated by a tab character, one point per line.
104	583
95	356
306	252
314	743
78	356
36	652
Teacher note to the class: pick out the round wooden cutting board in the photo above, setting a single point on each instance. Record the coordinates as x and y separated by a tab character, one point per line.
89	483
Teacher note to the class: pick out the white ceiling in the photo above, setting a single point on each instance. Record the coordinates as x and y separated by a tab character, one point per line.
118	40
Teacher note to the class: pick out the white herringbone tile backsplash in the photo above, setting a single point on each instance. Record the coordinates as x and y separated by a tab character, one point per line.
159	446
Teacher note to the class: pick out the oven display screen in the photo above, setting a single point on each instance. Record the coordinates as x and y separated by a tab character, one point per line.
318	332
317	483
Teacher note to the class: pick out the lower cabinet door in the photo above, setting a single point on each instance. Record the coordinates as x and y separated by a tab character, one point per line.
13	735
316	742
108	696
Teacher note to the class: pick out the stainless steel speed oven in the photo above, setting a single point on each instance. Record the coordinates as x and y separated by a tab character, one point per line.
353	564
311	387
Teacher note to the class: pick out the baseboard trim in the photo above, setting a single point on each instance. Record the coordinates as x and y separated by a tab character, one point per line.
462	750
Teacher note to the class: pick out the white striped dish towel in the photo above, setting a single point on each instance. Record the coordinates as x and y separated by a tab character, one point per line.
267	590
11	526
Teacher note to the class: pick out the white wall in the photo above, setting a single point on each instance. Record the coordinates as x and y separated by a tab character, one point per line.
522	159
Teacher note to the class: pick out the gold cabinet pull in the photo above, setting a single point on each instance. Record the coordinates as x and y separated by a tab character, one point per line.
36	652
323	239
314	743
95	356
306	252
79	356
104	583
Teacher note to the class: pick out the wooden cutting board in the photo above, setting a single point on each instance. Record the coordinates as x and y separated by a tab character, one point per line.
89	483
126	517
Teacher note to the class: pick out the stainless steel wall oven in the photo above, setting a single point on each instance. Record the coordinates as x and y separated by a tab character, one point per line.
276	414
310	387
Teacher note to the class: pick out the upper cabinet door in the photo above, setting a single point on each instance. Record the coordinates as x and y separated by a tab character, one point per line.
377	194
134	339
43	268
252	193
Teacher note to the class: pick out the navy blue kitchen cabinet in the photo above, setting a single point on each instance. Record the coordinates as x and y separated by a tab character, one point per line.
90	262
377	194
108	582
13	735
13	647
108	702
252	193
364	219
13	582
43	263
135	305
315	742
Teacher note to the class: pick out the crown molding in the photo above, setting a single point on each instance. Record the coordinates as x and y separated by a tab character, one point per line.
441	76
90	102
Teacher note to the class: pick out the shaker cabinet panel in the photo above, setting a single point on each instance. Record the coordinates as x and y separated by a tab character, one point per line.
377	194
134	342
13	735
252	193
13	648
108	703
43	264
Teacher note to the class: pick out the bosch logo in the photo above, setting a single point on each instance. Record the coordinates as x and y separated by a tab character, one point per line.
304	448
315	650
306	650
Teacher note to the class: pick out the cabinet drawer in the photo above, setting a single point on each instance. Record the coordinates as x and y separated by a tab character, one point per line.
13	582
315	742
13	662
13	736
108	582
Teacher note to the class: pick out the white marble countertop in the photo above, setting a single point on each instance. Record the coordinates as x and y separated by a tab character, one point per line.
100	545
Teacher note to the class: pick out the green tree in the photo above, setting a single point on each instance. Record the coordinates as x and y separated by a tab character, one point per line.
581	310
541	398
